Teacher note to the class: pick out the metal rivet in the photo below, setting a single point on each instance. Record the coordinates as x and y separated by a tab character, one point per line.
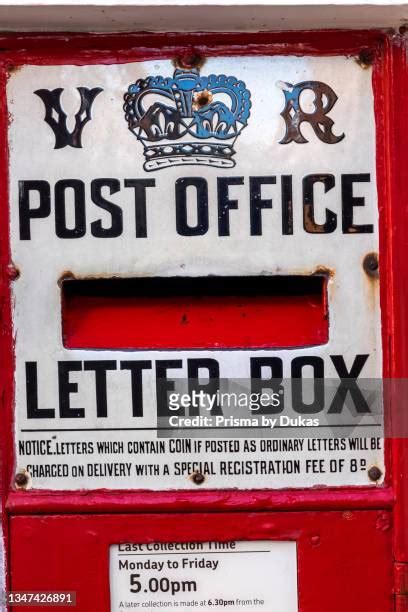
374	473
366	58
13	273
370	264
189	60
198	478
315	540
21	480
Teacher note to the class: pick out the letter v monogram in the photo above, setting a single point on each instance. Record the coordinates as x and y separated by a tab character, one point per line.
52	103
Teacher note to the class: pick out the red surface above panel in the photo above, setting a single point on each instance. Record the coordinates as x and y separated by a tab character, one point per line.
195	313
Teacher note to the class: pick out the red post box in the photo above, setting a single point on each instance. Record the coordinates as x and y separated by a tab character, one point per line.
203	329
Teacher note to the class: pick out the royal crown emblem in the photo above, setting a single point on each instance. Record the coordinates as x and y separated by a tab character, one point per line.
187	119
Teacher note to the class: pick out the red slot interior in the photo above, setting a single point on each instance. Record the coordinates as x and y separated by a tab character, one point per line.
195	313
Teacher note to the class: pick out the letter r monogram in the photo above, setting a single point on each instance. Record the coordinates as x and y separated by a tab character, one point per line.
294	115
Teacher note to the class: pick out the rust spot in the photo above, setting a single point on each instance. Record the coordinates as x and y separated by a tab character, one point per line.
308	220
13	273
366	58
347	515
197	478
66	275
201	99
189	59
324	271
374	473
12	69
370	265
184	319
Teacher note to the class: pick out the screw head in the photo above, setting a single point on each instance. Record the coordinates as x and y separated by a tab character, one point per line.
13	273
315	540
198	478
189	60
366	58
370	264
21	480
374	473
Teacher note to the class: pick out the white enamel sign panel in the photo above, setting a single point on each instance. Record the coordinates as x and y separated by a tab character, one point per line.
210	576
250	167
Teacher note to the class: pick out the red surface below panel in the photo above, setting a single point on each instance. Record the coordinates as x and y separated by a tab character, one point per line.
106	501
344	558
194	313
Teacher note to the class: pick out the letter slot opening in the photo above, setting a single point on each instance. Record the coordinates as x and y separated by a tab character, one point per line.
210	312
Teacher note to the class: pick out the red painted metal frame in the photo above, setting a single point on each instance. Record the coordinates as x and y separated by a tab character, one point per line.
105	501
336	572
398	238
6	340
390	84
80	49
